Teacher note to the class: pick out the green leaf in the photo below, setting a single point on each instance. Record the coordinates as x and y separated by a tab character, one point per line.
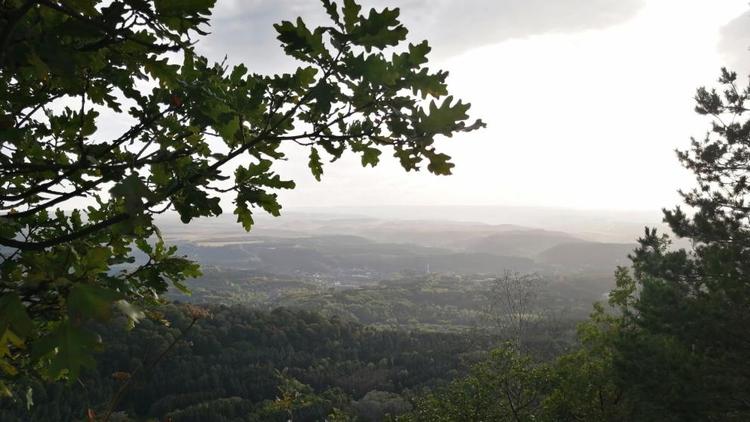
316	166
96	259
244	216
439	163
444	119
238	73
13	315
324	94
269	203
91	301
182	288
351	14
304	76
298	40
380	30
162	71
370	156
184	7
227	125
160	174
183	15
428	84
68	349
131	190
332	10
375	70
418	53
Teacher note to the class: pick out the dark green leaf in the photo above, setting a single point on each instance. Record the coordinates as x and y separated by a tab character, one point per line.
316	166
91	301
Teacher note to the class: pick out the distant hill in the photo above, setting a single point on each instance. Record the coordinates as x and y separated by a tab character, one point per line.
587	256
352	249
443	234
526	243
593	225
347	258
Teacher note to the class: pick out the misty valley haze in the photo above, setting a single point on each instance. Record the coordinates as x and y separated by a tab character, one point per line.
339	246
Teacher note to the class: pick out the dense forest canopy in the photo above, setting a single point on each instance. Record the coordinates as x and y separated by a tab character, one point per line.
240	353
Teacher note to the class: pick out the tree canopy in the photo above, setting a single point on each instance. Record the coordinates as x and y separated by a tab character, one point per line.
73	72
683	345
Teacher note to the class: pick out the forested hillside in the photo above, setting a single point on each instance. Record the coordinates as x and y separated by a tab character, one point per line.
356	260
234	364
349	258
438	302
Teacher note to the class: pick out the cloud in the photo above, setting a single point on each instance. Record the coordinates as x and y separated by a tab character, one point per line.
455	26
734	44
242	29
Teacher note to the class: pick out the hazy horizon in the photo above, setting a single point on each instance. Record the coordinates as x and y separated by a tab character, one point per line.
619	226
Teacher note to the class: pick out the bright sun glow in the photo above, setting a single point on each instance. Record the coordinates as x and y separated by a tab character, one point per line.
582	120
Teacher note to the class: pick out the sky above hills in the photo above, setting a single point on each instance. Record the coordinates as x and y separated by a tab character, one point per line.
586	100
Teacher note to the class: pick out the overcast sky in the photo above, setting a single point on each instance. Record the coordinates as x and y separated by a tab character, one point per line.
585	100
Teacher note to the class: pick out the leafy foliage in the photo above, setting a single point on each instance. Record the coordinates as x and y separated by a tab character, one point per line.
511	386
65	67
584	378
504	387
